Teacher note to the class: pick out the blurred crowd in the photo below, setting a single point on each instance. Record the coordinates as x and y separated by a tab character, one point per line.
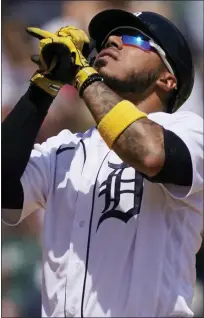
21	245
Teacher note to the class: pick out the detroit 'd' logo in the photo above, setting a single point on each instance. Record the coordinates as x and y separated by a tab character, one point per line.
121	191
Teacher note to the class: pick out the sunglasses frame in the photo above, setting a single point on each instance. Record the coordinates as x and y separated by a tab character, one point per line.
152	43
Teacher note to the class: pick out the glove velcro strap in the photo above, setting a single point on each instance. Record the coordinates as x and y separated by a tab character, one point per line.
82	76
117	120
49	86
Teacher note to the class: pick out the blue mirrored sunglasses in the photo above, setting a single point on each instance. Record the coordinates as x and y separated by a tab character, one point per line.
137	40
146	44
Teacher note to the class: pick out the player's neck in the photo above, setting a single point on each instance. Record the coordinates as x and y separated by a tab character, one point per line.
149	104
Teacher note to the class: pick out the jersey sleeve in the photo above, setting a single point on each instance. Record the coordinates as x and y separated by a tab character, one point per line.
38	176
189	127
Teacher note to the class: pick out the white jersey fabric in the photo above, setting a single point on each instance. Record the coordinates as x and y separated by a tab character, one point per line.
114	243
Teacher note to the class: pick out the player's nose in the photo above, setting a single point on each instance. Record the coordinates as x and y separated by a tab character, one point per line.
114	40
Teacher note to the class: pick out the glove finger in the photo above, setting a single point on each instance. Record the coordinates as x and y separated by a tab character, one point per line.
38	59
50	55
64	31
65	70
40	34
35	58
53	64
81	34
74	32
44	42
44	65
78	36
86	50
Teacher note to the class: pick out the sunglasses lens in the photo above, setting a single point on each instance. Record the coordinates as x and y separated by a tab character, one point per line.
136	41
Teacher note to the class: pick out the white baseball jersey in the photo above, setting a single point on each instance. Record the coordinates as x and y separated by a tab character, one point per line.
115	244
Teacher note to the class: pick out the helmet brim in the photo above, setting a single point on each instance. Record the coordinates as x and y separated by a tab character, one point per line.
104	22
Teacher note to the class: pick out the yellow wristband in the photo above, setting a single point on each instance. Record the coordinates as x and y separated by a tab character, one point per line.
117	120
82	76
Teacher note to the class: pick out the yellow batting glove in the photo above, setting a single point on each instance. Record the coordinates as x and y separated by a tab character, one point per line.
39	33
78	36
42	77
48	38
82	70
66	47
50	86
42	35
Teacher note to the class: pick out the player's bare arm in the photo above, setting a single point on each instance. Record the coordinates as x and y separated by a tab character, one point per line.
140	145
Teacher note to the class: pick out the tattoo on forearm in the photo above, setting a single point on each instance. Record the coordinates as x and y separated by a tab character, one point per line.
141	141
100	100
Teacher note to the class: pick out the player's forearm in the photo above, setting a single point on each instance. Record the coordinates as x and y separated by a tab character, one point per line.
19	131
140	145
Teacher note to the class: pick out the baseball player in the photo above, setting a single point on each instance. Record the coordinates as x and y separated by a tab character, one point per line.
123	201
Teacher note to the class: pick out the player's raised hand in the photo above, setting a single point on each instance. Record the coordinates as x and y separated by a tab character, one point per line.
54	62
77	43
45	61
80	70
60	57
78	36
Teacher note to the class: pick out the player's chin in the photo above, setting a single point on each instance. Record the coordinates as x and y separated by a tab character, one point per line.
104	62
106	67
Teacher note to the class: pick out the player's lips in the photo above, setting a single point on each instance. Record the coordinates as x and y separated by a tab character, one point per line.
112	52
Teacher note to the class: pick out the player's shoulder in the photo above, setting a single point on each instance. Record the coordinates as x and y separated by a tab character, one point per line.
64	139
182	118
